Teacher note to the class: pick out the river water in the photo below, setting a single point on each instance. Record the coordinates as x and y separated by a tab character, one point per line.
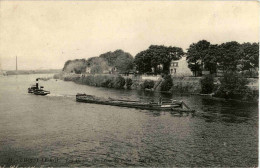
55	130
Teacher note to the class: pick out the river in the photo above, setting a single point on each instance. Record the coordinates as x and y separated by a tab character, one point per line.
55	130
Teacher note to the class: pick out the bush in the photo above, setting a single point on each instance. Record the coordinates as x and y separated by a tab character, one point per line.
107	83
129	83
167	83
233	86
88	80
207	84
119	82
71	78
148	84
180	87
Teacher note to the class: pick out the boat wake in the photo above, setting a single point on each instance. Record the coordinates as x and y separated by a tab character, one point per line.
60	95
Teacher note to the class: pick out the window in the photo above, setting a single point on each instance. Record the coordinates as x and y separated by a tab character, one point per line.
175	64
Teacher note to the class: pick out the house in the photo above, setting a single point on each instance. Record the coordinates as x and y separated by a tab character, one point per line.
88	70
180	68
113	70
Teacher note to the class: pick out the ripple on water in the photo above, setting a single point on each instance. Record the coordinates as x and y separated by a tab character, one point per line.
56	126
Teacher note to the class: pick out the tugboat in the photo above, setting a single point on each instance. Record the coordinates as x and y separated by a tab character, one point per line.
36	90
41	91
32	89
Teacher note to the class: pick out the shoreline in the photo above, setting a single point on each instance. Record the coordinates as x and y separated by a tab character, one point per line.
78	79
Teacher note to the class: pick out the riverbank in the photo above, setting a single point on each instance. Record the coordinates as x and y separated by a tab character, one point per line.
189	85
180	85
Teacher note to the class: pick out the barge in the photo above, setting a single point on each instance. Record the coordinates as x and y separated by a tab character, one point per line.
174	105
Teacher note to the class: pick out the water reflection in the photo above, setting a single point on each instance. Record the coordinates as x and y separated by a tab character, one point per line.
209	109
228	111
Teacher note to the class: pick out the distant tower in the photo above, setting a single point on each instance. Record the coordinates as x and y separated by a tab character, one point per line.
16	63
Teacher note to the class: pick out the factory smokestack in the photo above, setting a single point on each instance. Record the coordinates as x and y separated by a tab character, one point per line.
16	63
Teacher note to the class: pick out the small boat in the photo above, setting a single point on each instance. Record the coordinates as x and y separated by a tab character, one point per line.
36	90
33	89
41	92
164	106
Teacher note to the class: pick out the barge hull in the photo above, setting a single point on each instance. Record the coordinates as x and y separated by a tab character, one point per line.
145	106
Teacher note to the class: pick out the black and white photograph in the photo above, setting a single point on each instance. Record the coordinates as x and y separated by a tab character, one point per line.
129	83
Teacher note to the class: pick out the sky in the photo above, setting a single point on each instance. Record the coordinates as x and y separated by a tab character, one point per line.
45	34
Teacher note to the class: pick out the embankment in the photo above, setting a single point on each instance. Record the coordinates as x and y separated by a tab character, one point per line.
186	85
180	84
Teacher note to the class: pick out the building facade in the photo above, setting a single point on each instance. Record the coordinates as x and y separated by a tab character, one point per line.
180	68
88	70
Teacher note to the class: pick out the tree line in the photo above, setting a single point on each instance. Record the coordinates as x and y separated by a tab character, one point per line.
227	57
201	56
118	59
157	59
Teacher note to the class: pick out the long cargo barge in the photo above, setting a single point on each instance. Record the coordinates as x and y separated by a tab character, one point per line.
178	106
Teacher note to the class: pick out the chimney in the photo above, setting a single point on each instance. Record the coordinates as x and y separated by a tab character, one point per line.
16	63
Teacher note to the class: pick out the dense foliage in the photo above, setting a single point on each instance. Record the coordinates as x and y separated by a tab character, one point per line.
129	83
97	64
234	86
207	84
227	57
121	61
196	52
201	56
148	84
77	66
119	82
167	83
109	81
157	59
249	59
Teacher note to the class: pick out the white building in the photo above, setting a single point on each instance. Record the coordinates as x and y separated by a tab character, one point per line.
88	70
180	68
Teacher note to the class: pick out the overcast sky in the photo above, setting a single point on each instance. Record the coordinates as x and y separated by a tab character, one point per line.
45	34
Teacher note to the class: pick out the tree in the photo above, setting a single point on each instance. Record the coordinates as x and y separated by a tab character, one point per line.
143	62
155	56
123	61
98	65
207	84
78	66
249	56
230	54
129	83
195	54
164	56
167	83
233	86
210	59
